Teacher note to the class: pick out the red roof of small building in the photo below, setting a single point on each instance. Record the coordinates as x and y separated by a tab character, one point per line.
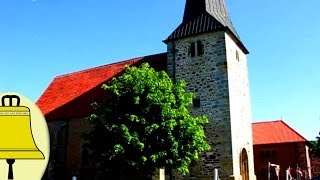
273	132
61	98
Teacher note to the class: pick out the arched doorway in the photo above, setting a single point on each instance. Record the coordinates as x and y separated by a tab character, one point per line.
244	166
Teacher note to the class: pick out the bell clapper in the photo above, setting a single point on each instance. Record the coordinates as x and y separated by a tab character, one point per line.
10	173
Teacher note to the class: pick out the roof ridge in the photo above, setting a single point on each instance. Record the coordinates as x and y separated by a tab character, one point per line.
95	68
104	66
268	121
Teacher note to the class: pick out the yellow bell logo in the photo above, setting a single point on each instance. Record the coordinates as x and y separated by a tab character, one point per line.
15	124
17	140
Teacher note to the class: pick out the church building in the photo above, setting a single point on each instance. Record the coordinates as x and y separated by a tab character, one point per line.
205	51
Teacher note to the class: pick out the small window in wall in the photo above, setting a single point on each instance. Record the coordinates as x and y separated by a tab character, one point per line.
200	48
262	154
192	50
196	49
268	154
237	55
196	102
274	154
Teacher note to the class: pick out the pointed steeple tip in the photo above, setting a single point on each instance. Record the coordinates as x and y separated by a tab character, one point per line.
193	8
216	8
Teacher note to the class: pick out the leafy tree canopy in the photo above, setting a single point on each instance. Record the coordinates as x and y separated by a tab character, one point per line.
315	147
145	124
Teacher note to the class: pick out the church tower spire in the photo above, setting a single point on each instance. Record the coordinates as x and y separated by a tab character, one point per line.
216	8
201	16
206	52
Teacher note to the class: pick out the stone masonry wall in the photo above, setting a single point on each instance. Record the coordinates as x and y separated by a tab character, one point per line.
207	76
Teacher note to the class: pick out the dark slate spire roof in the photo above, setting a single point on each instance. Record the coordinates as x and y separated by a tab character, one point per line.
202	16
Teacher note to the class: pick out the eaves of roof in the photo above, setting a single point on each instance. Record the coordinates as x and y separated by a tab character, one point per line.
204	23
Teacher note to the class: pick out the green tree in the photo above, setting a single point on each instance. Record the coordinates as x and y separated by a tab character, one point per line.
144	124
315	147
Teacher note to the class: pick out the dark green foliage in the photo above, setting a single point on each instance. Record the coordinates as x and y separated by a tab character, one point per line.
144	125
315	147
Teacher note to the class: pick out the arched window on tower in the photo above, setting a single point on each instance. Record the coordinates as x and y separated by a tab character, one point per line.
196	49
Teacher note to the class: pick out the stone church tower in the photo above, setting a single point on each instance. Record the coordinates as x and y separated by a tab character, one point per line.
206	51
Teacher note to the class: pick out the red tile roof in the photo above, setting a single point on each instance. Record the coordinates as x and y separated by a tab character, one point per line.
272	132
66	89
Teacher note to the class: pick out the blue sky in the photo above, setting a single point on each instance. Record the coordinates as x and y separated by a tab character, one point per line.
40	39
